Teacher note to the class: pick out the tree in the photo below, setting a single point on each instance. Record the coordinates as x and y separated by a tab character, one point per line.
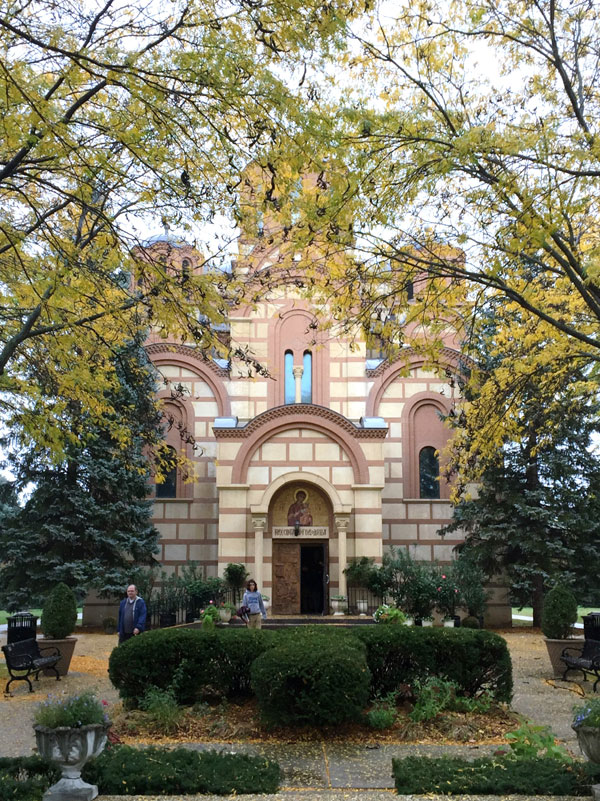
87	518
503	165
535	515
114	117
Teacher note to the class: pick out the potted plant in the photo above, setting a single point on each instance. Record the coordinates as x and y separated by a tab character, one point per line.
558	616
210	615
235	575
586	724
70	730
59	618
337	602
226	611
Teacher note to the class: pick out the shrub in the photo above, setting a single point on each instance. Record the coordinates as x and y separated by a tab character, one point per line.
433	696
153	658
26	778
317	680
162	709
470	622
452	775
559	613
235	574
123	770
238	648
59	614
389	614
359	571
476	661
383	713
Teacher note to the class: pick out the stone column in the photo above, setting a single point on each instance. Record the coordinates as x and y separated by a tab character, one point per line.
341	525
258	524
298	372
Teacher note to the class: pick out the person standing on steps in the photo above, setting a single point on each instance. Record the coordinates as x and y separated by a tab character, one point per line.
132	615
253	600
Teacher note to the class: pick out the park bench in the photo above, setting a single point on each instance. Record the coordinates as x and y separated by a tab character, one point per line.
587	660
25	659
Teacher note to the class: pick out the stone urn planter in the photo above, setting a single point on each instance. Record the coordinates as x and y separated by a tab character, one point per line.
337	604
588	738
71	749
224	615
363	606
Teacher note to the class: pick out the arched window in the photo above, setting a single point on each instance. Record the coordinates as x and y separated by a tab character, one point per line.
429	473
186	268
168	487
306	383
289	383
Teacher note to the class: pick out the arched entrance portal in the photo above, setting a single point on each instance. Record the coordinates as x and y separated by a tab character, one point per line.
300	518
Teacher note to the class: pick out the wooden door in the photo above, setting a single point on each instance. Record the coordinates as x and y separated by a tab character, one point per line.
286	578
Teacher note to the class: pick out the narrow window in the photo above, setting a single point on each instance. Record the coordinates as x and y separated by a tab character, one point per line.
168	487
429	472
306	383
289	395
186	267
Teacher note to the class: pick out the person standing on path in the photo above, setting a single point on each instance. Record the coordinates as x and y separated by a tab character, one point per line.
132	615
253	600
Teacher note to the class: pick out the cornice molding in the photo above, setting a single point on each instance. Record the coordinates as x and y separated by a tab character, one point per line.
301	414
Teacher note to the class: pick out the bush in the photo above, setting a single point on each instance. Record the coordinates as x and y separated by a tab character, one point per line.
123	770
191	660
470	622
162	709
235	574
476	661
318	680
59	614
559	613
489	776
383	713
26	778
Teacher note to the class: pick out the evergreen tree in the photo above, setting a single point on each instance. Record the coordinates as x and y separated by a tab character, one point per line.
89	516
536	516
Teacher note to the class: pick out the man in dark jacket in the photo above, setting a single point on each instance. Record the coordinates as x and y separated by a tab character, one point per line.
132	615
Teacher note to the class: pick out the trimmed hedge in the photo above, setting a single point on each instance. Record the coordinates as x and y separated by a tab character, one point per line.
123	770
26	778
192	660
474	660
488	776
311	680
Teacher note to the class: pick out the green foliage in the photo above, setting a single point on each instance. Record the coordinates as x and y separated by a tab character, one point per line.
72	711
235	574
162	708
315	680
433	696
476	661
359	571
59	613
210	612
191	661
89	514
530	741
123	770
559	614
448	592
470	580
491	776
389	614
26	778
588	714
470	622
383	713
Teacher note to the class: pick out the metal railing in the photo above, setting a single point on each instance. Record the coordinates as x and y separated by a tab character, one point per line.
179	606
361	601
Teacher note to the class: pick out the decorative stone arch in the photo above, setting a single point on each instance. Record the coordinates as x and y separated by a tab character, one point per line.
387	372
307	416
262	508
173	437
414	439
186	358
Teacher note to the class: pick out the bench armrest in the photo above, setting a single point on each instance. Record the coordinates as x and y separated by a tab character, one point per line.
55	651
577	651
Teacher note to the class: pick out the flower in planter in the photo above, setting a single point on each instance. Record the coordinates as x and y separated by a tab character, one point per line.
587	715
71	711
389	614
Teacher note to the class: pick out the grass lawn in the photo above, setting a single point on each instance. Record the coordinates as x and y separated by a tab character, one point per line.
527	611
38	612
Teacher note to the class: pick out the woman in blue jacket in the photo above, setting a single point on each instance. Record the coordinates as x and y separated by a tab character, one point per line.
253	600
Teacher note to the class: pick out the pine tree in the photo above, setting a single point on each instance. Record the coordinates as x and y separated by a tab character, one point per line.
89	516
536	517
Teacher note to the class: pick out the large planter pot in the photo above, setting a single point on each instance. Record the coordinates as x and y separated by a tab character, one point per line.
588	738
71	749
362	607
555	649
225	615
66	648
337	606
